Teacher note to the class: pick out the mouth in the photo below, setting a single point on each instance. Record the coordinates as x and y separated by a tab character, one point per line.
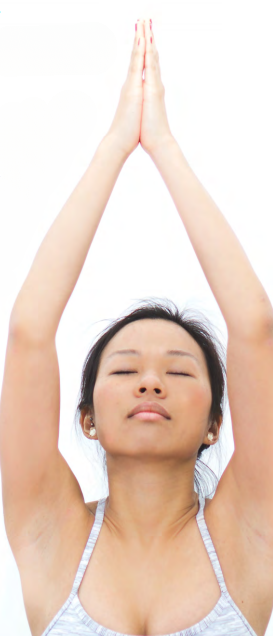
150	411
149	416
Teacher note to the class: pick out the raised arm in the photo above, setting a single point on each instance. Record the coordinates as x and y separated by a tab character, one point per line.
61	256
246	308
239	293
35	477
58	263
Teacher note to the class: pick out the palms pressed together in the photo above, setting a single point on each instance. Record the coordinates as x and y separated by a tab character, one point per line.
141	114
154	123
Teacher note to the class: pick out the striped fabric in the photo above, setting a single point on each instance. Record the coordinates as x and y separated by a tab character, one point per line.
225	619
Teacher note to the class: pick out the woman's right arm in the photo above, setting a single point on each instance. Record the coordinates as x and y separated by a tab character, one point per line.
37	483
58	263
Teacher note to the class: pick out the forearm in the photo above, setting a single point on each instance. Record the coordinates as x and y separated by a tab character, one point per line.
240	295
58	263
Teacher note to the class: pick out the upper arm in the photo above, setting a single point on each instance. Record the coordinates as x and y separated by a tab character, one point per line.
34	473
250	393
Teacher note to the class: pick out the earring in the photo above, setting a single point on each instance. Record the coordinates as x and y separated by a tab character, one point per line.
210	436
92	432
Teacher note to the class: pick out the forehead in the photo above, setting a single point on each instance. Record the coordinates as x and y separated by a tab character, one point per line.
154	336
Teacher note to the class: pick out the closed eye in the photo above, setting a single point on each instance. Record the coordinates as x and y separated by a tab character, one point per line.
175	373
118	372
170	373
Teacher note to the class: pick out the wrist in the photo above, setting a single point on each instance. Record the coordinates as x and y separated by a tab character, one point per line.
164	146
111	143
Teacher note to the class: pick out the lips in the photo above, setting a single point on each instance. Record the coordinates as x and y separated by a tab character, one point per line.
150	407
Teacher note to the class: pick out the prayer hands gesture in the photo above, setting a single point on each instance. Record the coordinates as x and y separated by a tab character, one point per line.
141	114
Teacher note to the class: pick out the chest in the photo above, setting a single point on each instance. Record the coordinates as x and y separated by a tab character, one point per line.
157	593
171	590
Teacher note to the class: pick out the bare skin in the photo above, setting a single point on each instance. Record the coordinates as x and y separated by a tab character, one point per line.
134	590
158	457
149	573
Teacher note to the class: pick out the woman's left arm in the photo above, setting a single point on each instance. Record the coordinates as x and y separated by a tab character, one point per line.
239	293
246	484
248	313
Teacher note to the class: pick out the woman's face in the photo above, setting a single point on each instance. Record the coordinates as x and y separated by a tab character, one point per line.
153	371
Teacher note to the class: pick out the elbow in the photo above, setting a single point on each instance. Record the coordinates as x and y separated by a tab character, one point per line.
24	329
261	328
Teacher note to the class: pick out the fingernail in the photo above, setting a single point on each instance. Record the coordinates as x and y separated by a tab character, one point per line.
151	40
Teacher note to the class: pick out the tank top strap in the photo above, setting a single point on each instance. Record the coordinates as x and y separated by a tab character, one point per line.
95	530
209	545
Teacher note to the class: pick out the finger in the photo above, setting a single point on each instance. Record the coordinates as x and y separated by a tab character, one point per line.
152	68
137	57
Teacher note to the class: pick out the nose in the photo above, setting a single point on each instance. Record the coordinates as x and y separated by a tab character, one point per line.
151	384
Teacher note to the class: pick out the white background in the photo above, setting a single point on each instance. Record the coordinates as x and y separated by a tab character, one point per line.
62	66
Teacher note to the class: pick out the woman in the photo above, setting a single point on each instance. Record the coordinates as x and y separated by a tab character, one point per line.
165	561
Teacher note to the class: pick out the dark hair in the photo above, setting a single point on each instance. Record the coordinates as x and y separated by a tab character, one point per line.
202	332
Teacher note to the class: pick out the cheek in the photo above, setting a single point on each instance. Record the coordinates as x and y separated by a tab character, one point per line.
203	395
197	399
107	403
195	408
102	398
108	407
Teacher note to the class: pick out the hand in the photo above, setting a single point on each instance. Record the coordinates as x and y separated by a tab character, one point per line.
154	124
126	125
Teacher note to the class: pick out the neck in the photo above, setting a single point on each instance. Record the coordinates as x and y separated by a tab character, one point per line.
149	502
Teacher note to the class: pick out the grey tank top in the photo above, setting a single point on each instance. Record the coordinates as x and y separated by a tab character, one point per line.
225	619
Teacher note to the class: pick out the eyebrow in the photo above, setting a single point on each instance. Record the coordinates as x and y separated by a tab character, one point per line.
170	352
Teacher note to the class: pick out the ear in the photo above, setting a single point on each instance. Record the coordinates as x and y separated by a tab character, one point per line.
215	428
85	421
